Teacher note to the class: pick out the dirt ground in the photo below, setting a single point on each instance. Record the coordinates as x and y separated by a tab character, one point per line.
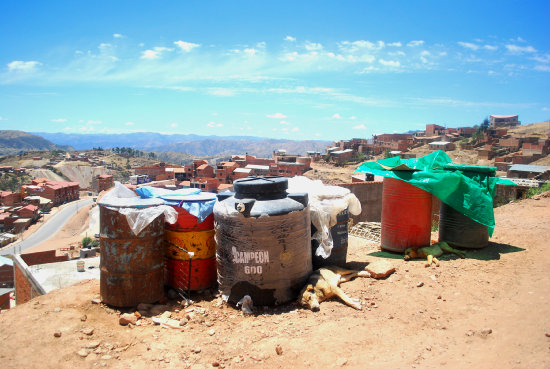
489	310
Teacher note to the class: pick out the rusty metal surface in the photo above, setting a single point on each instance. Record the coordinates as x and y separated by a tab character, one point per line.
132	267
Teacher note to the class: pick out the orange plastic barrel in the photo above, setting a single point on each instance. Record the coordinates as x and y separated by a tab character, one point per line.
406	216
201	244
203	273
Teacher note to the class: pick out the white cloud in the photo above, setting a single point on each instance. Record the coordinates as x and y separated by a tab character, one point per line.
515	49
214	125
415	43
59	120
295	129
468	45
336	116
2	118
95	122
149	54
24	66
312	46
117	35
129	123
360	126
186	46
353	117
390	63
395	44
490	47
543	68
250	52
173	125
290	38
543	59
226	92
318	134
284	122
276	116
545	109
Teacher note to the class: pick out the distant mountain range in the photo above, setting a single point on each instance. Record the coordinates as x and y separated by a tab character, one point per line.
192	144
14	142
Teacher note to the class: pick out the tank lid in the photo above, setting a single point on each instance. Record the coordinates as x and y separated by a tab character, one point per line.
130	202
261	185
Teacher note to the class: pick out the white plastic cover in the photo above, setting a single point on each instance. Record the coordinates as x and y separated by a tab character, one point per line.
138	212
325	203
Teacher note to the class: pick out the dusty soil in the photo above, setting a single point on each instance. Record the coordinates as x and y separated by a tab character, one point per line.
489	310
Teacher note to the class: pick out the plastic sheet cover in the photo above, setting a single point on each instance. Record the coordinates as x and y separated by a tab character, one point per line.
138	212
325	203
197	203
471	195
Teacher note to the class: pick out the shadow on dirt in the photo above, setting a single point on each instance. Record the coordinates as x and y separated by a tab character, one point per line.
491	252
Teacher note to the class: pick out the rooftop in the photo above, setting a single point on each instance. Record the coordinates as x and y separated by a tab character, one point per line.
529	168
53	276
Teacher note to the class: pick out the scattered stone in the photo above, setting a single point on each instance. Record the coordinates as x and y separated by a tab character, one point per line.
380	268
211	332
126	319
96	301
106	357
279	350
92	344
88	331
419	284
469	333
486	331
342	362
83	318
83	353
429	348
215	364
137	314
57	334
196	350
439	297
547	334
158	309
57	309
166	315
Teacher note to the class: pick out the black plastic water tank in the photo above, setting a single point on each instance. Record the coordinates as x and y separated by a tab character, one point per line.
456	228
263	237
339	233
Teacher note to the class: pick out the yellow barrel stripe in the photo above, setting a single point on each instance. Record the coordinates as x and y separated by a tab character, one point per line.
201	243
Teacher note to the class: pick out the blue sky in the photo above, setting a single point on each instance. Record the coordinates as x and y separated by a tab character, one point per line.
283	69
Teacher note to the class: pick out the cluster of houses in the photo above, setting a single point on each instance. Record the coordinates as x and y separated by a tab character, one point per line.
18	210
511	154
200	174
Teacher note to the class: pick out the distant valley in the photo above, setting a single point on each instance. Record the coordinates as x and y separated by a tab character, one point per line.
191	144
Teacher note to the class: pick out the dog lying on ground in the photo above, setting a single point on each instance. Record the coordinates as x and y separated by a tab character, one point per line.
431	253
324	284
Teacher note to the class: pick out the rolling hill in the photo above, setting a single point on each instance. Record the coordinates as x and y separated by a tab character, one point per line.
15	142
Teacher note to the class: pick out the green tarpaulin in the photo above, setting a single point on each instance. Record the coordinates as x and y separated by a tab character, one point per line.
467	189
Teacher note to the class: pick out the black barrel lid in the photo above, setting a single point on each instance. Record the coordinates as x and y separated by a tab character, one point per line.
261	185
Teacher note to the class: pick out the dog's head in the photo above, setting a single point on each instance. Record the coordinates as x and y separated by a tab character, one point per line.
410	253
309	299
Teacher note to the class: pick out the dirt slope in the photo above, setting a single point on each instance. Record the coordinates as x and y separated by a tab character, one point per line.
489	310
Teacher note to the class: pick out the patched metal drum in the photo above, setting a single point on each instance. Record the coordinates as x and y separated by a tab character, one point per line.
264	241
131	266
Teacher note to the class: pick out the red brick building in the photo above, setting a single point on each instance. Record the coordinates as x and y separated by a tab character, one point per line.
102	182
8	198
58	192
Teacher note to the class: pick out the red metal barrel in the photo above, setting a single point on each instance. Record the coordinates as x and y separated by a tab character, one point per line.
131	267
202	274
188	235
190	223
406	216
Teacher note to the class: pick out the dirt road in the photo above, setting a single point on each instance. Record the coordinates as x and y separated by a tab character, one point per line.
489	310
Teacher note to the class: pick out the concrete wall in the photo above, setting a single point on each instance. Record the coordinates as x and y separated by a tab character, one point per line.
370	197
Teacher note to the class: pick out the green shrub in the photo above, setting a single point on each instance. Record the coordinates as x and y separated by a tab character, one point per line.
86	241
535	191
